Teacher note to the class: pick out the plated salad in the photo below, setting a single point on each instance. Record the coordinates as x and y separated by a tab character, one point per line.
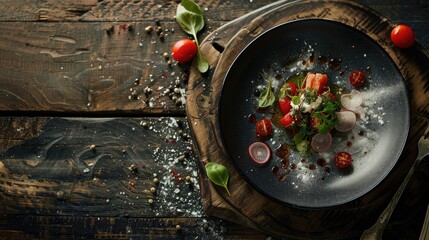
310	109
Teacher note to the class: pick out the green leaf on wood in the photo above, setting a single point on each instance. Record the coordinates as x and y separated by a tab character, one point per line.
218	174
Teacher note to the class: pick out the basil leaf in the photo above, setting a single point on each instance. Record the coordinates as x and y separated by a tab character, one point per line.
190	17
191	20
218	174
267	97
202	63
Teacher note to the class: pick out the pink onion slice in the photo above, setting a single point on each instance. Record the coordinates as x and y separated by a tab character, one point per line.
321	142
346	121
352	100
259	152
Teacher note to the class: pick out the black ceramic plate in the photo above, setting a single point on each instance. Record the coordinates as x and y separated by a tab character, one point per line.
375	143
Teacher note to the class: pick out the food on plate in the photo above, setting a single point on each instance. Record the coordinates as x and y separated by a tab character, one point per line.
184	50
402	36
310	110
264	128
259	152
343	159
357	78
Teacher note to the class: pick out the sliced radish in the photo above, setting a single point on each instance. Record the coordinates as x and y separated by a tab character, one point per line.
259	152
346	121
321	142
360	112
352	100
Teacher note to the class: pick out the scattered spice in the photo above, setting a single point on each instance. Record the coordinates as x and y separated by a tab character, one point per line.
188	178
148	29
124	26
144	124
110	30
133	168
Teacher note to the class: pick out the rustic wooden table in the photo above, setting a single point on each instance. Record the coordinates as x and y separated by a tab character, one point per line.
94	136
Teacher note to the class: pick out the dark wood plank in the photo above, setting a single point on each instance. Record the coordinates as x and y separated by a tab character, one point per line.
123	10
81	67
70	227
259	212
47	166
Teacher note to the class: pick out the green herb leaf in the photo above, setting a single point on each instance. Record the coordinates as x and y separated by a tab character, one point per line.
267	97
202	63
218	174
190	17
191	20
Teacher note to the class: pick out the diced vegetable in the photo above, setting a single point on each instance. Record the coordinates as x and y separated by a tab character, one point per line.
284	105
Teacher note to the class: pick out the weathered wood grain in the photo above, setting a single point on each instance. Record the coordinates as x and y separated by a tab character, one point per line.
70	227
123	10
249	207
83	67
47	166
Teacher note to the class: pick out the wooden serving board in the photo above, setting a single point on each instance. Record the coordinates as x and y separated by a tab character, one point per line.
249	207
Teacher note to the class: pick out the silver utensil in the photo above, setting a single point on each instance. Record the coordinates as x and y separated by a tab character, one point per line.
375	232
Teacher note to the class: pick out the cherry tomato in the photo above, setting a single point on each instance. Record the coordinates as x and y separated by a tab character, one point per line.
184	50
402	36
287	120
284	105
264	128
343	159
357	78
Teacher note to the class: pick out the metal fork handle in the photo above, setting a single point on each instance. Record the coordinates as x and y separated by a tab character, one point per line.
375	232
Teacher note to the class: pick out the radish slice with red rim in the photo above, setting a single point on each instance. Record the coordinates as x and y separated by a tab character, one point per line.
259	152
321	142
346	121
352	100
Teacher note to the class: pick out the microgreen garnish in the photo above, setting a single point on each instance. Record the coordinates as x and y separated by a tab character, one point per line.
267	97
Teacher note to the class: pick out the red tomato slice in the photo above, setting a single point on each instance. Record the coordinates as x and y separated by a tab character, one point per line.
264	128
292	88
287	120
402	36
343	159
357	78
284	105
